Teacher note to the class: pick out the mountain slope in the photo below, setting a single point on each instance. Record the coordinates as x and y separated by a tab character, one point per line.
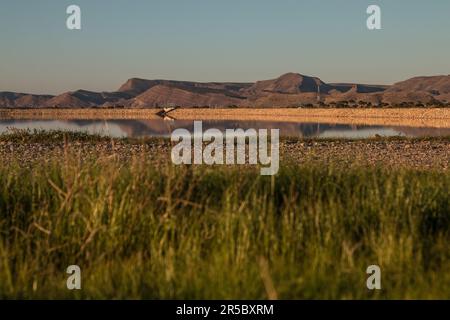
290	89
137	86
419	89
22	100
86	99
289	83
163	95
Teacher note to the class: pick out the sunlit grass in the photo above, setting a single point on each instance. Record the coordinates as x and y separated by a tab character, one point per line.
140	230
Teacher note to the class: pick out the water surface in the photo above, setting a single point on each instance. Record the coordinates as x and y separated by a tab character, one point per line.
163	128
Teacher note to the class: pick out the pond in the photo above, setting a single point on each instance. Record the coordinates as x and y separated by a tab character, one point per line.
163	128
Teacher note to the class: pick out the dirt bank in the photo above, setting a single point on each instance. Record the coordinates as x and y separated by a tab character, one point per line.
433	153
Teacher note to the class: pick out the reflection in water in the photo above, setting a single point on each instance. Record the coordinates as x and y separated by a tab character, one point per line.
161	128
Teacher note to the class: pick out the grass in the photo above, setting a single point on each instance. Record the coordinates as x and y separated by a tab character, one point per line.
140	230
15	135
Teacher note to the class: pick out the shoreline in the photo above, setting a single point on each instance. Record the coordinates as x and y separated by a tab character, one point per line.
413	117
423	154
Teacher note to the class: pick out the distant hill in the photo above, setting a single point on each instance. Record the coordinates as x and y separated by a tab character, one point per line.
86	99
22	100
419	89
290	89
289	83
164	95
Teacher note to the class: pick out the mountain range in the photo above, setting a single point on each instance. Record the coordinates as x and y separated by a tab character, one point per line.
291	89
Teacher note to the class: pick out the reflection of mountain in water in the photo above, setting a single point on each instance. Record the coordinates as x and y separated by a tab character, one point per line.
287	129
424	132
158	128
141	128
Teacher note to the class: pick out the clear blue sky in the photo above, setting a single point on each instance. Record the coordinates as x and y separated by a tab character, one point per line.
211	40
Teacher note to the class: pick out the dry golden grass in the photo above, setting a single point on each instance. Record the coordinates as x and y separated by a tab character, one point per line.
438	118
81	113
416	117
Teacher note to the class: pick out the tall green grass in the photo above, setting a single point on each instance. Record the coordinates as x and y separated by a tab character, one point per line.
138	230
